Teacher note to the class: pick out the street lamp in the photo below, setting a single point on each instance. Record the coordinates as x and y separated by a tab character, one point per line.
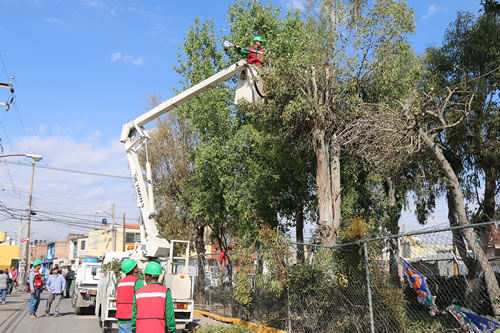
34	157
112	226
27	232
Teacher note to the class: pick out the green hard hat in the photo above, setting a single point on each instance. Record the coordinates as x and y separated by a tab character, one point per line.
36	263
153	268
257	38
128	265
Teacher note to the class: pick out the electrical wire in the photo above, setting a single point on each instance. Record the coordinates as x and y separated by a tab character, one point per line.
68	170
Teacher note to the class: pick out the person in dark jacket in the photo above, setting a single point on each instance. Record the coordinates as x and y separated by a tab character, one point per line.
70	276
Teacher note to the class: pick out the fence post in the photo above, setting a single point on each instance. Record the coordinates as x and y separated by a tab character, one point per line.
289	328
369	288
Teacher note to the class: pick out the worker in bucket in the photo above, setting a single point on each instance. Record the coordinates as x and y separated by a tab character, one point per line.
255	53
153	309
127	288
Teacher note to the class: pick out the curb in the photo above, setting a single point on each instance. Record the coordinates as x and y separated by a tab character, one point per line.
260	328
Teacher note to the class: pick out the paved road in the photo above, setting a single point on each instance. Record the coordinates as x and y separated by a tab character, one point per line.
14	317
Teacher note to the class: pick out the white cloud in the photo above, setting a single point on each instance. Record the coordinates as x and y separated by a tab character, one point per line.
116	56
432	10
54	20
59	191
127	59
297	4
93	3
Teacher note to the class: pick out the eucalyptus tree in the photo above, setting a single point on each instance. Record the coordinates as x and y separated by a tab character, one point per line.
470	57
421	122
342	48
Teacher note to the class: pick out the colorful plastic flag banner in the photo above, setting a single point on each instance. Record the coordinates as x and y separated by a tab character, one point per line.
418	282
472	322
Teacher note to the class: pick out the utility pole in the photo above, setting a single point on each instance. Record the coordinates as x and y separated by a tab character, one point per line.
27	231
19	235
124	234
113	227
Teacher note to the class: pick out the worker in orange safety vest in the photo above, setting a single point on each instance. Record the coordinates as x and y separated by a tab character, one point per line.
255	53
127	287
153	309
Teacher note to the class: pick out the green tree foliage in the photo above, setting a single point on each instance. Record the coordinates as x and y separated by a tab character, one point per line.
346	52
470	55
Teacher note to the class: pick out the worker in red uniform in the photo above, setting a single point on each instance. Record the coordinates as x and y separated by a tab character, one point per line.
127	287
153	309
255	53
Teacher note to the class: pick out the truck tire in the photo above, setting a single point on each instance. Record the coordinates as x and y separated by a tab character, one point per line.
73	299
78	310
100	319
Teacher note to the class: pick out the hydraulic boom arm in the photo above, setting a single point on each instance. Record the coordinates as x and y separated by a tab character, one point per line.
134	136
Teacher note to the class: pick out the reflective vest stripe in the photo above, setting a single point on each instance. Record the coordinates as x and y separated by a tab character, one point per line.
150	301
149	318
151	295
125	297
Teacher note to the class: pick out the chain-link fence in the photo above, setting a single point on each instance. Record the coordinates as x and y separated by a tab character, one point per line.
396	283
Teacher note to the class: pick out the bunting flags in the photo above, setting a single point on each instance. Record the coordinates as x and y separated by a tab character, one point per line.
472	322
419	284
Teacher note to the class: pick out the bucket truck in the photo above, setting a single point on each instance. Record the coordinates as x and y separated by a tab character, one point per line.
152	246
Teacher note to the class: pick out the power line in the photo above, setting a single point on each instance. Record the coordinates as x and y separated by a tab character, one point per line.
4	68
22	126
68	170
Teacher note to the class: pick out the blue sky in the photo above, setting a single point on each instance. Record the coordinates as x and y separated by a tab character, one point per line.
83	68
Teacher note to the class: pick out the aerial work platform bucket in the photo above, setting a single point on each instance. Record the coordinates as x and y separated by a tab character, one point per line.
250	87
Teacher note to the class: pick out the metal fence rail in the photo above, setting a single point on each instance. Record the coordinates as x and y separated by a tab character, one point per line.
394	283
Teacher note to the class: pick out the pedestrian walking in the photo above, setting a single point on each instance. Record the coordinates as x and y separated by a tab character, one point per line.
70	276
153	309
36	287
127	287
13	279
3	285
55	286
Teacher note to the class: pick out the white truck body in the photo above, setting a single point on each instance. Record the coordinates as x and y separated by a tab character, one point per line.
86	283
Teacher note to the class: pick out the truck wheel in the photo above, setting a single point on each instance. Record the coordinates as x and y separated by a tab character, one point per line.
78	310
73	299
100	320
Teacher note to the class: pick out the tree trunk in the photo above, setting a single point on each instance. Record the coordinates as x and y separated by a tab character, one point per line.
459	203
200	250
335	182
325	229
395	206
299	232
458	239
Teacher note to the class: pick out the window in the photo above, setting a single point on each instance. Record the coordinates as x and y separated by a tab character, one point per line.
132	237
95	242
82	245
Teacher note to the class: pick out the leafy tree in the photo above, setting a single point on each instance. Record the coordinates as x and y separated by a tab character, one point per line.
421	122
470	57
342	49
